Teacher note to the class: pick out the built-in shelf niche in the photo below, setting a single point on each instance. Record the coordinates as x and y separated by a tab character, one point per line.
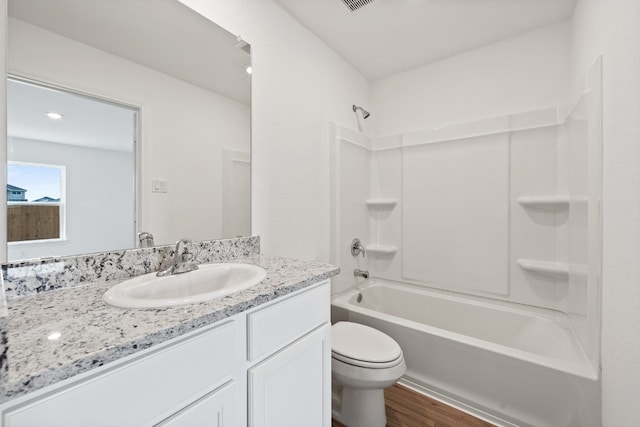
381	203
558	270
544	202
550	202
378	250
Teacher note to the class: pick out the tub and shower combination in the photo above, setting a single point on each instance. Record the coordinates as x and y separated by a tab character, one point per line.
483	255
512	366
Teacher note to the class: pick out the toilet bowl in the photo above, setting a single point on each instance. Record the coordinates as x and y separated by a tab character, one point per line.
364	361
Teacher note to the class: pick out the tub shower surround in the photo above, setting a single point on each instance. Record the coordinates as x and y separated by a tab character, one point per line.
66	329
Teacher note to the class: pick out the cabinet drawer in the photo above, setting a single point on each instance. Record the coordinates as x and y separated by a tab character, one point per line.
277	325
139	390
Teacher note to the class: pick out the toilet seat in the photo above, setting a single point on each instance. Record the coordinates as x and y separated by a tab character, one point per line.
363	346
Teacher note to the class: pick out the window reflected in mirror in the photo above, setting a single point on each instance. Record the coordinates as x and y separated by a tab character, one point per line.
38	215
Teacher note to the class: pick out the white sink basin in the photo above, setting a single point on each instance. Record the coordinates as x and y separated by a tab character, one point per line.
208	282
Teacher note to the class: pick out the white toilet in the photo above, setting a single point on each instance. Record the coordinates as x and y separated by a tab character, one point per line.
364	361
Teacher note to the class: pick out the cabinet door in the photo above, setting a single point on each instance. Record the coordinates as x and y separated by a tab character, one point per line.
215	409
292	388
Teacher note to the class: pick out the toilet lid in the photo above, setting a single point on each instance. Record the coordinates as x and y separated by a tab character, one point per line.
362	343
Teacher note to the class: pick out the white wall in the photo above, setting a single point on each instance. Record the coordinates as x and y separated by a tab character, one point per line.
610	28
183	127
99	198
523	73
299	85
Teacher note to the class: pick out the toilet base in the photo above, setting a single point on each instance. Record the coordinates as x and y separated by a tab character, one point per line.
359	407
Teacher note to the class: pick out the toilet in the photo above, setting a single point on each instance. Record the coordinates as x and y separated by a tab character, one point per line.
364	361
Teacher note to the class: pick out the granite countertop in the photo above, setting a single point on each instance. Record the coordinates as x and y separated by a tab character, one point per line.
92	333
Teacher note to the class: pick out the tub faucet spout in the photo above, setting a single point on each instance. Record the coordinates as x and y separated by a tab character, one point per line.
361	273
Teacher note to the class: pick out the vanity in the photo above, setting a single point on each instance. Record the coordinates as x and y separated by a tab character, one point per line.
258	357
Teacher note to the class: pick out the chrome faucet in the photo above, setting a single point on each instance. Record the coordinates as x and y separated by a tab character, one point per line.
361	273
357	248
180	262
145	239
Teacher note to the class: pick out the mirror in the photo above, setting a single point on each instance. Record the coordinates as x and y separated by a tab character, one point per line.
181	84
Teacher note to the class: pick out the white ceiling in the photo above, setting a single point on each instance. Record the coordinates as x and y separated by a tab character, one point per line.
164	35
389	36
86	121
161	34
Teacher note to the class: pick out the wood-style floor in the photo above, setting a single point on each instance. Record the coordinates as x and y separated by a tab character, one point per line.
407	408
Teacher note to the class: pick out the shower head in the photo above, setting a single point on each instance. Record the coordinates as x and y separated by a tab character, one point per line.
365	113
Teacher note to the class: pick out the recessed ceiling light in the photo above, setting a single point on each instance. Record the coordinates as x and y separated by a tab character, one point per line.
54	116
248	68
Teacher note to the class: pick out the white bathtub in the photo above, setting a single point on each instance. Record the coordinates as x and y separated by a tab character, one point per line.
508	364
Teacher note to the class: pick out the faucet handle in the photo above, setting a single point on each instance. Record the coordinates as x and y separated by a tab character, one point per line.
181	250
181	262
357	248
186	254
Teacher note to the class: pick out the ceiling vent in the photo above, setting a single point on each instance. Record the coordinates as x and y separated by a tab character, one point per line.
354	5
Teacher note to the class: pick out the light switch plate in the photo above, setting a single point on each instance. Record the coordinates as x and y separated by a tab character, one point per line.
158	185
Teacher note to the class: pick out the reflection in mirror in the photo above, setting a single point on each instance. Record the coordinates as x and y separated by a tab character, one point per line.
71	165
186	78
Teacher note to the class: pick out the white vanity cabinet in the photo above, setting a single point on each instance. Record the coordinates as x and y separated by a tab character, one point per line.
268	366
291	388
290	384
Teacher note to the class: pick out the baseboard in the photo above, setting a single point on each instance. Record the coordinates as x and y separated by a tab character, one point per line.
498	422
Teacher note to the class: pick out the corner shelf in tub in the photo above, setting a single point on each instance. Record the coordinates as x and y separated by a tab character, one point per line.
544	202
381	249
381	204
559	270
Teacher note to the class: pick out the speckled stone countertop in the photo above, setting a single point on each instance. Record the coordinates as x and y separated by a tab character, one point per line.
93	333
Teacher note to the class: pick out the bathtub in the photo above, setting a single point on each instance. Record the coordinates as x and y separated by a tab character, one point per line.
507	364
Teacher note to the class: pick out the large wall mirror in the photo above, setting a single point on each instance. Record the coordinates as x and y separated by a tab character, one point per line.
123	116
